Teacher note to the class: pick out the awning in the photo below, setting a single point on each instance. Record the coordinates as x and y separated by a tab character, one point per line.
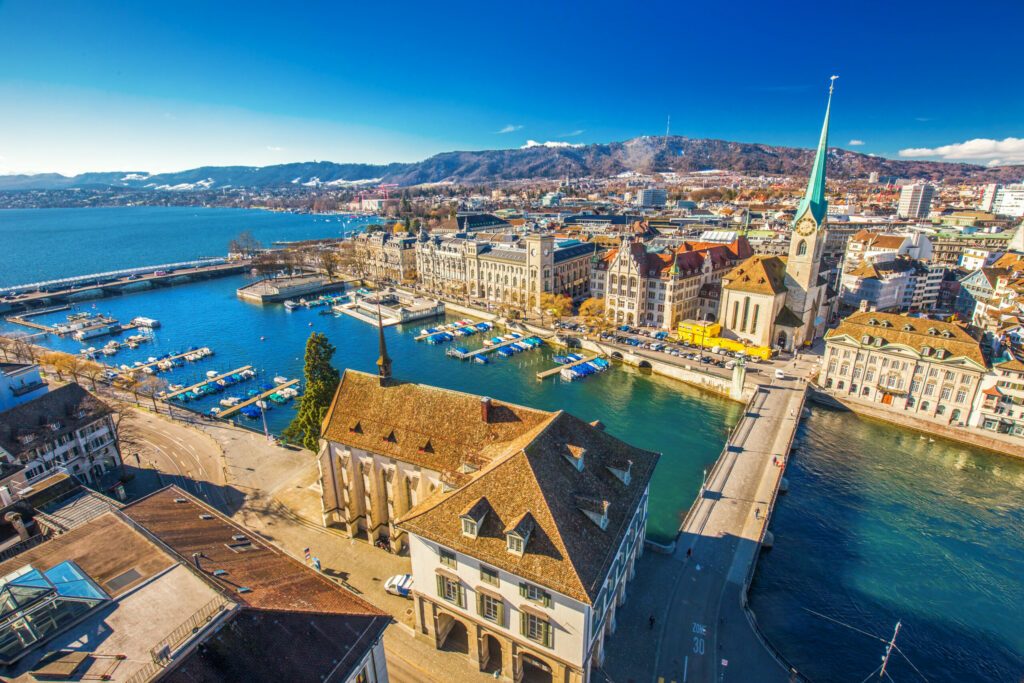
447	574
539	613
488	592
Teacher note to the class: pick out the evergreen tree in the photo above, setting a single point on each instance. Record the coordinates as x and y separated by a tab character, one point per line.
321	381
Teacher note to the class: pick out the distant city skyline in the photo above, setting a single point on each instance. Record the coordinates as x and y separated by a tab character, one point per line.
128	87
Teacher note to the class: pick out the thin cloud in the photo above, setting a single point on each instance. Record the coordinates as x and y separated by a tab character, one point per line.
922	119
574	134
275	148
995	152
510	128
855	143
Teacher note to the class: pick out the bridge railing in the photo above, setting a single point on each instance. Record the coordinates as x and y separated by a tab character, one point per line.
140	270
748	579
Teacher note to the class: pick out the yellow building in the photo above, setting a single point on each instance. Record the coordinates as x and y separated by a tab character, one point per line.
708	335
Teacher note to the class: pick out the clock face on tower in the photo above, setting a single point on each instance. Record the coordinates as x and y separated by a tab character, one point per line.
805	227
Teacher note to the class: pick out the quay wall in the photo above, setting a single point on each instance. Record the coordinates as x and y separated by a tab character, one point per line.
968	436
707	381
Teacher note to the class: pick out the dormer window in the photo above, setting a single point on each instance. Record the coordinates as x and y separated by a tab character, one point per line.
932	331
595	509
517	535
515	544
621	470
356	428
55	426
908	328
473	517
574	454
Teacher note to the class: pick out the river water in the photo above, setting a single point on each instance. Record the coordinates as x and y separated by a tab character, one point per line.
879	525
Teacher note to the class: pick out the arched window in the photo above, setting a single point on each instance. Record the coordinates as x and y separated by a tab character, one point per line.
801	249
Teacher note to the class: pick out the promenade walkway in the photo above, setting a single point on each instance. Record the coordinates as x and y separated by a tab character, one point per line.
702	631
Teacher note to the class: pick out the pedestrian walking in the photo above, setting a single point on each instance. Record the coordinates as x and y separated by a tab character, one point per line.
689	552
757	513
650	622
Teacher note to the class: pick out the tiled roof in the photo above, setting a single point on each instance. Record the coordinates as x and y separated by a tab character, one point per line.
280	646
59	406
759	274
878	240
894	328
276	581
1013	365
537	478
428	426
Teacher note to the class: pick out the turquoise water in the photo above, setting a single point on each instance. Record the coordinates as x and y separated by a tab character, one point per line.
46	244
686	425
879	524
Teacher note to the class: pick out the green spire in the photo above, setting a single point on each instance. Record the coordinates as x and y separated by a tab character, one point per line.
814	198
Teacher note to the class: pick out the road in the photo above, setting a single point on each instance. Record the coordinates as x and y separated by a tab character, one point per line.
704	633
176	453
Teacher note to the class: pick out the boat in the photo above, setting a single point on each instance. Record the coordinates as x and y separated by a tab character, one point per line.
280	380
212	373
290	305
482	360
457	351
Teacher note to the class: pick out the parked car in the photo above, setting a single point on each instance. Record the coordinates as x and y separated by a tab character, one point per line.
400	585
779	374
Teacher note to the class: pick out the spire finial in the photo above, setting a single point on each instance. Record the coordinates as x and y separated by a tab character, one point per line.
384	361
814	199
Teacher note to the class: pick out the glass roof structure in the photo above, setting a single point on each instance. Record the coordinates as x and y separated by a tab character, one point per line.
35	606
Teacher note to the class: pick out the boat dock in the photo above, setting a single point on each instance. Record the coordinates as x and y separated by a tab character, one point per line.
544	374
484	350
354	311
153	364
172	394
228	412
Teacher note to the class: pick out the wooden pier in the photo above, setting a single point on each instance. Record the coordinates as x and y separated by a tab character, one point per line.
228	412
485	349
195	386
124	373
544	374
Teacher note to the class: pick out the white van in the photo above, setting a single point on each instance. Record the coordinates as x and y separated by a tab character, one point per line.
779	374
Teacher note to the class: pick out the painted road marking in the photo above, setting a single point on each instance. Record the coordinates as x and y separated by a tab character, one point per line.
686	667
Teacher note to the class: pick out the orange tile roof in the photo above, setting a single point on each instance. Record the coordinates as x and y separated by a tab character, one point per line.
759	274
424	425
915	333
537	476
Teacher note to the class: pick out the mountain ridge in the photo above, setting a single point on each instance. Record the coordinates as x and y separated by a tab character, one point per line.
643	155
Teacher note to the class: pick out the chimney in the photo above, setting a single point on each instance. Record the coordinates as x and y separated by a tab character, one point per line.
485	409
14	519
863	305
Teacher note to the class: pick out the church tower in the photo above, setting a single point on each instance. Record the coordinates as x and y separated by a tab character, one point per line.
811	221
807	243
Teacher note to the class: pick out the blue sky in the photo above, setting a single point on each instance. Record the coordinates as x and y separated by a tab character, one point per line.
165	86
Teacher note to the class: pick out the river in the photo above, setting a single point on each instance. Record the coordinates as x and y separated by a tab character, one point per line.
879	525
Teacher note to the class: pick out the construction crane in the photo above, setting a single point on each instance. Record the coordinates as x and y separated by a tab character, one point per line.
385	186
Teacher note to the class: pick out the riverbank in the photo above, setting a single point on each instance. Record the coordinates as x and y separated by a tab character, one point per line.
997	443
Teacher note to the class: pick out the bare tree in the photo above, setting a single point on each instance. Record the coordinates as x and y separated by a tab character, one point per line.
151	386
245	244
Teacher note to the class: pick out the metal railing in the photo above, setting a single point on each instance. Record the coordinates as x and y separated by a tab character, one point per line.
21	546
147	673
161	652
139	270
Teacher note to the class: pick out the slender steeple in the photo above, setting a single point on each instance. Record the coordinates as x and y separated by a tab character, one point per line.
384	361
814	198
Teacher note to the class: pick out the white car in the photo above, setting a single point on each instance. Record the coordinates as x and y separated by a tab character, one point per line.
400	585
779	374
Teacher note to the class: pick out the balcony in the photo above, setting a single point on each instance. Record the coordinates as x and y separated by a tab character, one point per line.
28	388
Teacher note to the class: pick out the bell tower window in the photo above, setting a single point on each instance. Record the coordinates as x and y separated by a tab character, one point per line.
801	248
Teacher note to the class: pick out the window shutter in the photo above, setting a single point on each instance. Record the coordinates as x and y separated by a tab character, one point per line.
522	589
547	634
522	623
480	603
547	599
440	586
501	613
462	596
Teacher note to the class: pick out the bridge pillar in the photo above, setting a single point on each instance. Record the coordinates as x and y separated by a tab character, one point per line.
739	376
